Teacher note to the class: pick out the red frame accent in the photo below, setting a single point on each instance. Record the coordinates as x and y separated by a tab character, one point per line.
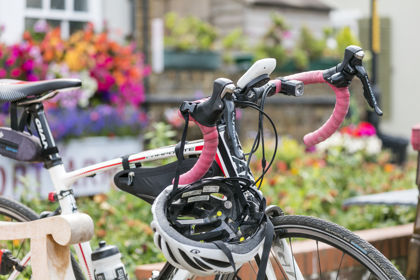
102	167
84	259
219	163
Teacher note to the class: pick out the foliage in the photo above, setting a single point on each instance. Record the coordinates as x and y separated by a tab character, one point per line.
112	74
233	43
317	183
314	48
161	135
188	33
344	38
300	59
271	43
301	183
120	219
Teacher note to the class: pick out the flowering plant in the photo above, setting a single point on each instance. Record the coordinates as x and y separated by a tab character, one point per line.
112	77
354	138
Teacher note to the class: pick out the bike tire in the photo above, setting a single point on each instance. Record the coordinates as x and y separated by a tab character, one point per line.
373	265
11	210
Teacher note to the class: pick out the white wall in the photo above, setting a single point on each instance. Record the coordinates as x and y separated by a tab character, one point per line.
12	18
405	58
117	15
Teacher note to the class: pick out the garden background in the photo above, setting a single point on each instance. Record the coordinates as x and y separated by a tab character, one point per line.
121	96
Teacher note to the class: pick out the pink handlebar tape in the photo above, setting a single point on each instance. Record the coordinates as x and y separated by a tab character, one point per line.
338	115
200	168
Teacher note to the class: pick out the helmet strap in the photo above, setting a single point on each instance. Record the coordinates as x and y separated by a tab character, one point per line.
269	233
185	109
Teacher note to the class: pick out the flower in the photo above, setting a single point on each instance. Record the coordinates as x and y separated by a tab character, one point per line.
15	72
41	26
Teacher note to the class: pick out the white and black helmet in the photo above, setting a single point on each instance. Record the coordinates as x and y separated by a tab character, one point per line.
212	226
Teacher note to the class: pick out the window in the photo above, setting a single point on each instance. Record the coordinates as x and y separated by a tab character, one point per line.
34	4
80	5
69	15
57	5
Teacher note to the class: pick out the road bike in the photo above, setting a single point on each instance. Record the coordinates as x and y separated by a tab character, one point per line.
227	159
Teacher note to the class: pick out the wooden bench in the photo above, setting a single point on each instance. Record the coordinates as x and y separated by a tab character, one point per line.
50	242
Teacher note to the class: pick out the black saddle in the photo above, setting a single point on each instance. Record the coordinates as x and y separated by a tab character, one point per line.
15	90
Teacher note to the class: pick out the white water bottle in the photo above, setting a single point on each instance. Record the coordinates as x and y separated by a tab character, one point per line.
107	265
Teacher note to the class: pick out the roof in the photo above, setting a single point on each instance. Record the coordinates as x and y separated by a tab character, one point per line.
295	4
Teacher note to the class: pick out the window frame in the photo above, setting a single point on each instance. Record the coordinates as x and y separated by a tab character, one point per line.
67	15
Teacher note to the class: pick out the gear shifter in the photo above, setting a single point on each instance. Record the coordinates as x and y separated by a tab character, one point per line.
342	74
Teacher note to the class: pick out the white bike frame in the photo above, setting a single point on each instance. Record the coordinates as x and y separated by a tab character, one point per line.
63	181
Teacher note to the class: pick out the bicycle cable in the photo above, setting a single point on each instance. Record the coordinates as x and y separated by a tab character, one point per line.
257	139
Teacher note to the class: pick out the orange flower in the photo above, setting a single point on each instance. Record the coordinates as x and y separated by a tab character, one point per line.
388	167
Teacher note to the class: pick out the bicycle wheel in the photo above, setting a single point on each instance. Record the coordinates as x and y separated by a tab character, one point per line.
322	250
13	211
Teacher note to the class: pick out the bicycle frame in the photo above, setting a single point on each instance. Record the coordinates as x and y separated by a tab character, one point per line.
63	180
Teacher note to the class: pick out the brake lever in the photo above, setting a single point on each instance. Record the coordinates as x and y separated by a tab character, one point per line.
367	89
342	74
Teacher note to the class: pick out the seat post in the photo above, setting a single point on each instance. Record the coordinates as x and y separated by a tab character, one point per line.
49	148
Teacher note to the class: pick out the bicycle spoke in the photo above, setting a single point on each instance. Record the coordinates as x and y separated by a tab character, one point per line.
252	267
319	260
293	255
339	266
279	265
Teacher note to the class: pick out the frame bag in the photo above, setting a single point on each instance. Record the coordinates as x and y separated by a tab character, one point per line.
20	146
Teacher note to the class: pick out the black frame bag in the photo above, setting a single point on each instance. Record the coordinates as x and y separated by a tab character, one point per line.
20	146
148	182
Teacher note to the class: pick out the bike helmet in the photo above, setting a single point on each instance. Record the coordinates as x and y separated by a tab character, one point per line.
211	226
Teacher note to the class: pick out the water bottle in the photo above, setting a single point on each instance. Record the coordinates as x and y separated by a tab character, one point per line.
107	265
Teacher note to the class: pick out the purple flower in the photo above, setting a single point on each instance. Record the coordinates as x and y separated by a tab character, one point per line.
41	26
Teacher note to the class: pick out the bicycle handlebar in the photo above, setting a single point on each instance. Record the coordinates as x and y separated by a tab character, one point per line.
205	113
211	141
337	116
338	78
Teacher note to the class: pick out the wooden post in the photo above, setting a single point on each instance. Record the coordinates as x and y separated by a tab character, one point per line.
50	239
413	266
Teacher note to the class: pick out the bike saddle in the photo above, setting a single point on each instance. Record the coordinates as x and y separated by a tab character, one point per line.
14	90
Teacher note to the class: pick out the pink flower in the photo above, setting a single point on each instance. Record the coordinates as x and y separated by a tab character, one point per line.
94	116
10	61
366	129
28	65
287	34
15	72
3	73
133	93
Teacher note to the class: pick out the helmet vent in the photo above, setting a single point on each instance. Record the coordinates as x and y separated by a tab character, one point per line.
190	261
202	264
160	242
217	263
170	253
